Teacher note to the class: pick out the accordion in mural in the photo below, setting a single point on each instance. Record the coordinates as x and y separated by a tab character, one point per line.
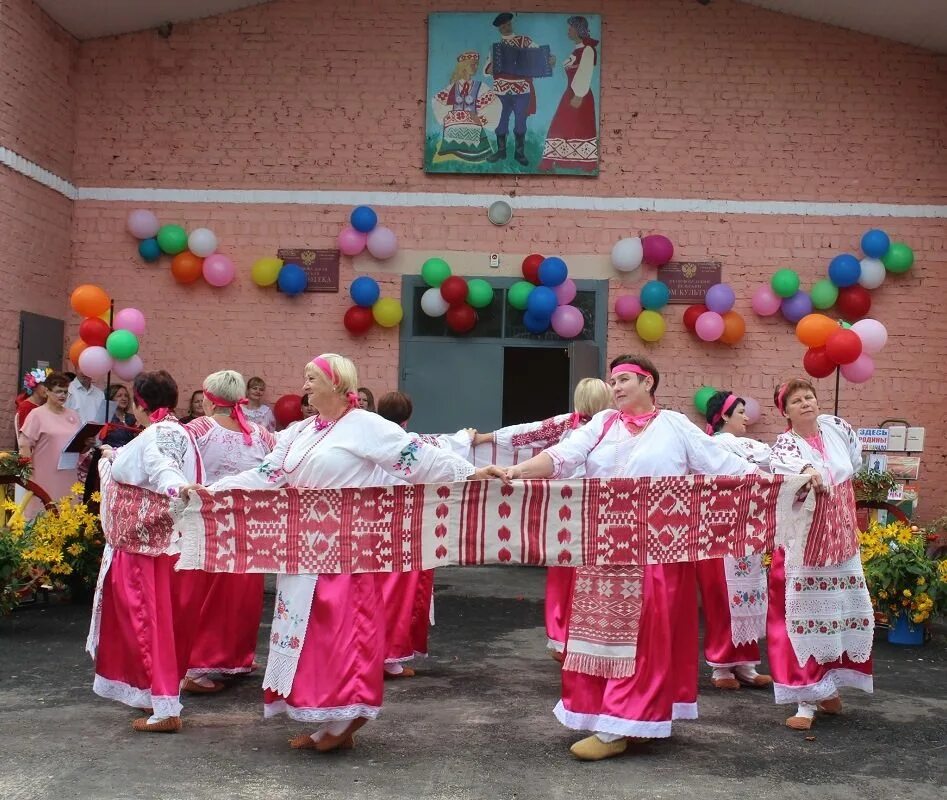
521	62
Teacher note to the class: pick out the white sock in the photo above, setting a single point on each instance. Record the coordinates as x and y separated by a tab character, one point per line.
746	671
806	710
722	672
154	719
394	669
608	737
202	680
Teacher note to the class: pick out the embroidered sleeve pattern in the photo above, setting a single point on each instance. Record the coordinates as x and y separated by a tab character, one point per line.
431	439
548	433
172	444
408	457
270	472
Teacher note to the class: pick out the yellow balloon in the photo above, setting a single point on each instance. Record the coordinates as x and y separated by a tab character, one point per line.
106	317
650	325
265	271
387	312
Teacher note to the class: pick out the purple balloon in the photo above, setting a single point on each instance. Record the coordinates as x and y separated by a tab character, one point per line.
568	321
752	409
628	307
796	307
720	298
565	292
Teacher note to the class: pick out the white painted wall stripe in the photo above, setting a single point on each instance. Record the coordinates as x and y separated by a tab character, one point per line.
464	200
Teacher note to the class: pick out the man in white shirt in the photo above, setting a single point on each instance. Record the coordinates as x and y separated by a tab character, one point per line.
87	400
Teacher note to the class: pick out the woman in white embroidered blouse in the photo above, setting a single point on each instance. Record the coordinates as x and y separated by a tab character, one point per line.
820	623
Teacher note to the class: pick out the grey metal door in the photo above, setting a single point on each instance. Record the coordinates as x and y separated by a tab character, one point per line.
40	342
584	362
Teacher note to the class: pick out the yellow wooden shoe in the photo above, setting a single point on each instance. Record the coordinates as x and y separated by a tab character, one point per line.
594	749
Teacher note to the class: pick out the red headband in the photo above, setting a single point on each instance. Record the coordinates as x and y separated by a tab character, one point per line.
236	412
153	416
326	369
633	368
729	403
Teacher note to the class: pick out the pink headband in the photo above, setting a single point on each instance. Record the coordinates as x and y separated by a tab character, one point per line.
326	368
729	403
781	397
236	412
154	416
633	368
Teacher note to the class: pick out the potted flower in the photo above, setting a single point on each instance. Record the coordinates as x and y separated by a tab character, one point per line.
872	485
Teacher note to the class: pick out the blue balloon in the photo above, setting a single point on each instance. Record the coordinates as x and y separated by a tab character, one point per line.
364	291
149	250
875	243
292	279
553	271
845	270
542	301
363	219
536	323
655	295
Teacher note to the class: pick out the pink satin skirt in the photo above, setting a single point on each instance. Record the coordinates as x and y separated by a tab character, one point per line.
226	637
399	594
559	582
719	649
339	673
421	619
814	681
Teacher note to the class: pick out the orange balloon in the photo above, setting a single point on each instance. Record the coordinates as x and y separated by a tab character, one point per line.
814	330
75	349
89	300
733	328
186	267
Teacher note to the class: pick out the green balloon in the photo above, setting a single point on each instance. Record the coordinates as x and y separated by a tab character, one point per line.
435	271
824	293
172	239
121	344
518	294
899	258
785	282
702	397
479	293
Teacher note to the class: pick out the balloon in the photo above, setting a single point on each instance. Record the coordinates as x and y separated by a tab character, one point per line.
627	254
382	242
149	250
435	271
121	345
387	312
844	270
860	370
650	325
218	270
93	331
75	350
536	323
702	397
265	271
655	295
565	292
552	271
292	279
765	301
363	219
433	304
796	307
454	290
288	409
872	273
202	242
854	302
89	300
627	307
817	363
351	242
692	314
752	410
531	267
142	224
358	320
656	250
461	318
542	302
824	293
899	258
95	362
128	369
364	291
733	328
186	267
479	293
518	294
814	330
843	346
875	243
129	319
873	334
568	321
719	298
709	326
785	283
172	239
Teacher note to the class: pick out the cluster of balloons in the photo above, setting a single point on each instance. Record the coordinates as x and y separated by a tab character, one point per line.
644	310
193	255
370	307
629	254
834	345
452	297
290	278
704	393
714	320
105	343
363	232
545	296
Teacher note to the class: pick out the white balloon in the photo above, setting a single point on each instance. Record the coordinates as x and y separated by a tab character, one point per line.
202	242
872	274
627	254
433	304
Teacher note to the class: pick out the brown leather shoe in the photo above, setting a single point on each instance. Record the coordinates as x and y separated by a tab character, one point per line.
725	683
305	742
193	687
166	725
758	681
594	749
330	742
831	706
799	723
406	672
555	655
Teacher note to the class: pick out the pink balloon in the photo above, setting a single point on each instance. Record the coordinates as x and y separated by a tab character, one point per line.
628	307
565	292
95	362
129	368
859	371
873	334
657	250
382	242
765	301
709	326
568	321
218	270
752	409
351	241
129	319
142	224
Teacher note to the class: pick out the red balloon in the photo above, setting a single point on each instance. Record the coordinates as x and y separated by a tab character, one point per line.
817	363
854	302
94	331
691	315
843	346
358	320
454	290
531	267
288	409
461	319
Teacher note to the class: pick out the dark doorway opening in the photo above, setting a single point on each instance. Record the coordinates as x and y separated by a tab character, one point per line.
535	383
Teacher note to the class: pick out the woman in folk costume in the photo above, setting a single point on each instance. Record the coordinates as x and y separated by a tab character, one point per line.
327	647
820	623
733	590
636	440
464	108
144	630
226	636
591	396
